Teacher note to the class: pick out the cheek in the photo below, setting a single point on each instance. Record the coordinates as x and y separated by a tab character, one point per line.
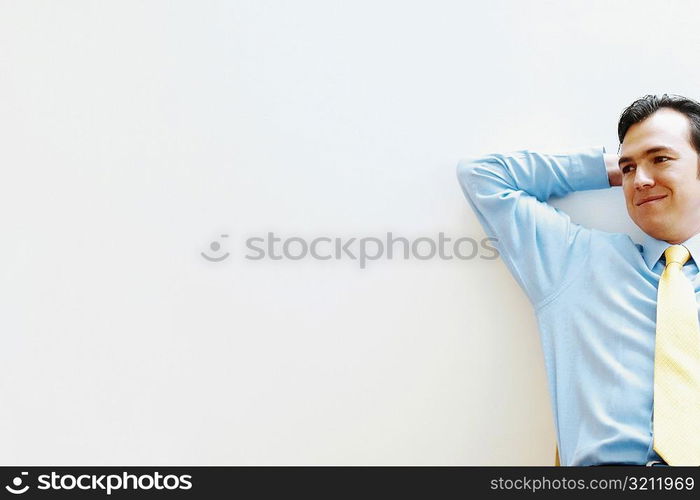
686	200
629	197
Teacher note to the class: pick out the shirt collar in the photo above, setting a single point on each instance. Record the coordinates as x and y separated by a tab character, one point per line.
654	249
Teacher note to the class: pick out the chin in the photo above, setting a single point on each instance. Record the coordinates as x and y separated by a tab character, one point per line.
655	231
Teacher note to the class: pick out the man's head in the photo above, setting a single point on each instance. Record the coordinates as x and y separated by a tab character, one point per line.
660	164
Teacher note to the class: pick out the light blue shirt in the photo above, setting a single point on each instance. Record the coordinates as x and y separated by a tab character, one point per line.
594	295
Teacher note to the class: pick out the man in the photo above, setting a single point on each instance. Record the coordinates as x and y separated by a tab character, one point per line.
618	326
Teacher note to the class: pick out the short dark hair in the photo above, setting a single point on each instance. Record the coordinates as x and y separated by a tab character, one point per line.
644	107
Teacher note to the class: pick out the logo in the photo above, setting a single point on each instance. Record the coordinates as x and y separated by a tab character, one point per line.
362	249
215	247
107	483
17	482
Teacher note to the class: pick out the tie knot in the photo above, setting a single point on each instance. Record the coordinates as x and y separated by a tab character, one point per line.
677	253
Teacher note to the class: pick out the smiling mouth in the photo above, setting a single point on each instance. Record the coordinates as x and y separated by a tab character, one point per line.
656	198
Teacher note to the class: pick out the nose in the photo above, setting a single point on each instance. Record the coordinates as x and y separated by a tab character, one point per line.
642	178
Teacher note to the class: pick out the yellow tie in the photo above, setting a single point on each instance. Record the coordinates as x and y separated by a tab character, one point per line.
677	365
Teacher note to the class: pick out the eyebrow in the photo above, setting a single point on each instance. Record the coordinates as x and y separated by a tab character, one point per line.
649	151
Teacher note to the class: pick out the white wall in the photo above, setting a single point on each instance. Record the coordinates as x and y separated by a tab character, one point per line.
135	133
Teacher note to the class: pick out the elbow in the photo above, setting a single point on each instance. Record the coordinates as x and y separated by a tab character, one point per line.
463	169
465	172
478	174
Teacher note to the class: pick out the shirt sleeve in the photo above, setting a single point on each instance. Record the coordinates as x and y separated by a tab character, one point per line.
508	192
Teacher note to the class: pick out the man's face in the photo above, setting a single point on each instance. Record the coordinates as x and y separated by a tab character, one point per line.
660	176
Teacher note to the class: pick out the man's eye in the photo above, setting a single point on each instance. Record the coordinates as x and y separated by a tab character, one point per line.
661	158
626	168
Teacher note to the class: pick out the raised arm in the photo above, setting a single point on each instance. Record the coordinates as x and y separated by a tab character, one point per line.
508	193
613	169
